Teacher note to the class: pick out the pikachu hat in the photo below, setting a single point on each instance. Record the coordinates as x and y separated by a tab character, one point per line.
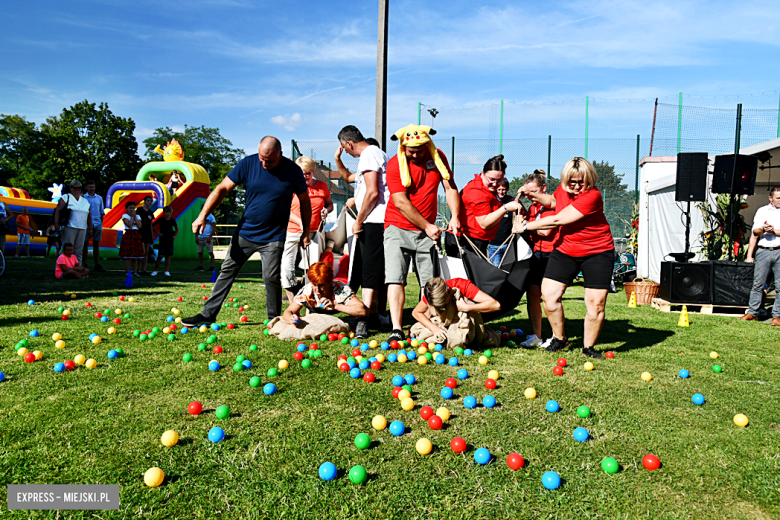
414	136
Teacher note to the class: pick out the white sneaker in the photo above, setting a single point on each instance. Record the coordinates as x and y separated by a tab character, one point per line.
154	273
166	273
546	343
531	341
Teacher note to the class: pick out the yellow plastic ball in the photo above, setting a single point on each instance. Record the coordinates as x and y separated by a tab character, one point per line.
380	358
96	340
38	355
422	360
91	363
512	333
402	358
422	350
714	355
403	394
379	422
283	363
443	412
407	404
66	293
173	309
131	299
423	446
56	336
415	343
246	306
493	374
371	344
647	376
60	344
483	360
169	438
80	359
358	358
177	320
66	312
588	366
72	296
22	351
203	328
351	335
118	311
167	330
112	330
176	312
741	420
530	393
154	477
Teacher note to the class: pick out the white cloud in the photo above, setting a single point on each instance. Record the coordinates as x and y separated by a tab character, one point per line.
289	123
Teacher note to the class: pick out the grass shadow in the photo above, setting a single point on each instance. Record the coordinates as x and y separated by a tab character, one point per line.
631	336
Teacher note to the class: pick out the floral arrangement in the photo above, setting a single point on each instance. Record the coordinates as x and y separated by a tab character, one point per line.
715	238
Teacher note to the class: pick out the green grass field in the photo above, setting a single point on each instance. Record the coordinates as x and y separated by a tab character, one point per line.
103	426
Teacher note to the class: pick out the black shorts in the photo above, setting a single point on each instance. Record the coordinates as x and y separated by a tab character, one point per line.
538	268
368	266
165	248
596	269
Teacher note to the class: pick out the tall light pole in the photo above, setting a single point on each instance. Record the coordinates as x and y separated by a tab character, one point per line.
380	125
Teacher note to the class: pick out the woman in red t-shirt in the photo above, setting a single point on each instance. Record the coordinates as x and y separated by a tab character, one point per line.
583	244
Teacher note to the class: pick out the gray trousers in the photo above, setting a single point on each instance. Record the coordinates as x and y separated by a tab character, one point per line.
237	255
765	261
75	237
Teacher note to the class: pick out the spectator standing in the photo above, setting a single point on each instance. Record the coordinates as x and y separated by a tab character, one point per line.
79	222
5	215
23	232
766	224
131	249
146	214
497	248
96	209
167	230
205	240
53	239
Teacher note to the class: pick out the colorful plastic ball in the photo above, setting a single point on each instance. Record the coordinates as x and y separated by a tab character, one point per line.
306	363
34	333
379	422
64	317
483	360
426	412
222	412
214	366
59	367
238	367
127	316
714	355
217	350
558	371
651	462
364	364
169	438
385	345
530	393
609	354
463	373
216	434
362	441
467	352
482	456
435	422
120	352
369	377
376	365
22	352
215	326
407	403
446	393
562	362
70	365
488	401
355	373
551	480
610	465
154	477
327	471
243	319
439	359
398	380
96	340
203	329
647	376
254	381
56	336
588	366
684	374
697	399
458	445
358	474
397	428
301	347
717	369
490	384
515	461
451	382
423	446
580	434
443	412
438	347
392	358
91	363
470	402
298	356
408	388
66	312
410	379
112	354
344	367
187	357
269	389
583	411
741	420
30	302
2	376
552	406
402	358
29	357
79	359
38	355
354	343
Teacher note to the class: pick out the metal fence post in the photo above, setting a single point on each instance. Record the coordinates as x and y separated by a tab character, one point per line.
587	102
636	176
452	160
549	153
419	108
501	130
679	123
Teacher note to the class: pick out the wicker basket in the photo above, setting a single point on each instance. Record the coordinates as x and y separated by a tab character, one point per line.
645	290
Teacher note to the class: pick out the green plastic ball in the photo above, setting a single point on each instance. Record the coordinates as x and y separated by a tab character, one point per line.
120	352
362	441
266	332
717	369
171	337
127	316
252	348
223	325
358	474
187	357
317	353
238	367
254	382
143	337
428	356
407	388
18	346
240	358
227	305
610	465
240	286
60	309
136	333
272	372
324	337
583	411
156	330
107	311
223	412
115	293
344	341
265	321
510	343
488	353
211	340
306	363
25	343
152	335
459	351
352	358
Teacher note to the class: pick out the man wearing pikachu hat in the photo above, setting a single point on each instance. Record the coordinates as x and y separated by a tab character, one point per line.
413	178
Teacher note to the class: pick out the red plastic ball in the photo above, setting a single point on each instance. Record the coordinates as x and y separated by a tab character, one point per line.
376	365
240	309
173	327
515	461
458	445
504	335
231	300
298	356
342	366
342	357
423	345
314	346
87	304
98	315
395	391
121	298
231	326
332	337
426	412
179	299
117	321
243	319
204	285
369	377
562	362
609	354
29	357
217	350
356	352
651	462
435	422
502	328
195	408
342	335
69	365
205	298
451	382
64	317
490	384
558	371
394	344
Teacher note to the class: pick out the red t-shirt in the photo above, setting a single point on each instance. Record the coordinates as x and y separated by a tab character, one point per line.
477	202
422	192
591	234
317	193
543	244
467	289
68	261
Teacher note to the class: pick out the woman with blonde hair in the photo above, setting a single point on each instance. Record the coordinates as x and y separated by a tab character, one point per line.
583	244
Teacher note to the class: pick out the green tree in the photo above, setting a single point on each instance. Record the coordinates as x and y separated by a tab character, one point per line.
207	147
22	158
87	141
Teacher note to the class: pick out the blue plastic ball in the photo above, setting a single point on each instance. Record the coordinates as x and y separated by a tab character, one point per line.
467	352
446	392
112	354
185	330
488	401
438	347
698	399
398	380
684	374
463	373
551	480
410	379
169	318
2	374
411	355
371	359
580	434
269	389
216	434
392	358
214	366
397	428
327	471
385	345
90	336
354	343
351	364
364	347
215	326
552	406
364	364
246	364
470	402
402	352
301	347
30	302
439	359
34	333
453	361
482	456
355	373
519	332
59	367
104	319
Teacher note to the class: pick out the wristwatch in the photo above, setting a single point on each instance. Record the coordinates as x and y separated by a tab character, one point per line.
505	208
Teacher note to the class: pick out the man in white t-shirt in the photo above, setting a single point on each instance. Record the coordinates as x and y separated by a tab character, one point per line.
371	196
766	226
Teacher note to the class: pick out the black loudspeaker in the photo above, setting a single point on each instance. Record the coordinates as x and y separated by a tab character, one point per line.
741	182
731	282
684	282
691	177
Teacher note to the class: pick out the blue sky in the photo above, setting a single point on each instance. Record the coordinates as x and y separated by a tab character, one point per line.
304	69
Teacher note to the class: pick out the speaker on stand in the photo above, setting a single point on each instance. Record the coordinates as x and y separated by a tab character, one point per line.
690	186
683	282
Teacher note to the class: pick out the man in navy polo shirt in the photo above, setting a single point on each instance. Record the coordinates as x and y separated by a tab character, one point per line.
270	181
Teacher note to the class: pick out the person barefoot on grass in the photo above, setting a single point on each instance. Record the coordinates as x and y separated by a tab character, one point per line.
67	265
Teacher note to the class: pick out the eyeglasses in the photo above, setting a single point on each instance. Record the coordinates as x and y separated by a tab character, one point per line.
75	187
578	183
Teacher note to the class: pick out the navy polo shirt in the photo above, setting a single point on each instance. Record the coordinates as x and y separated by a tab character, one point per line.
269	196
